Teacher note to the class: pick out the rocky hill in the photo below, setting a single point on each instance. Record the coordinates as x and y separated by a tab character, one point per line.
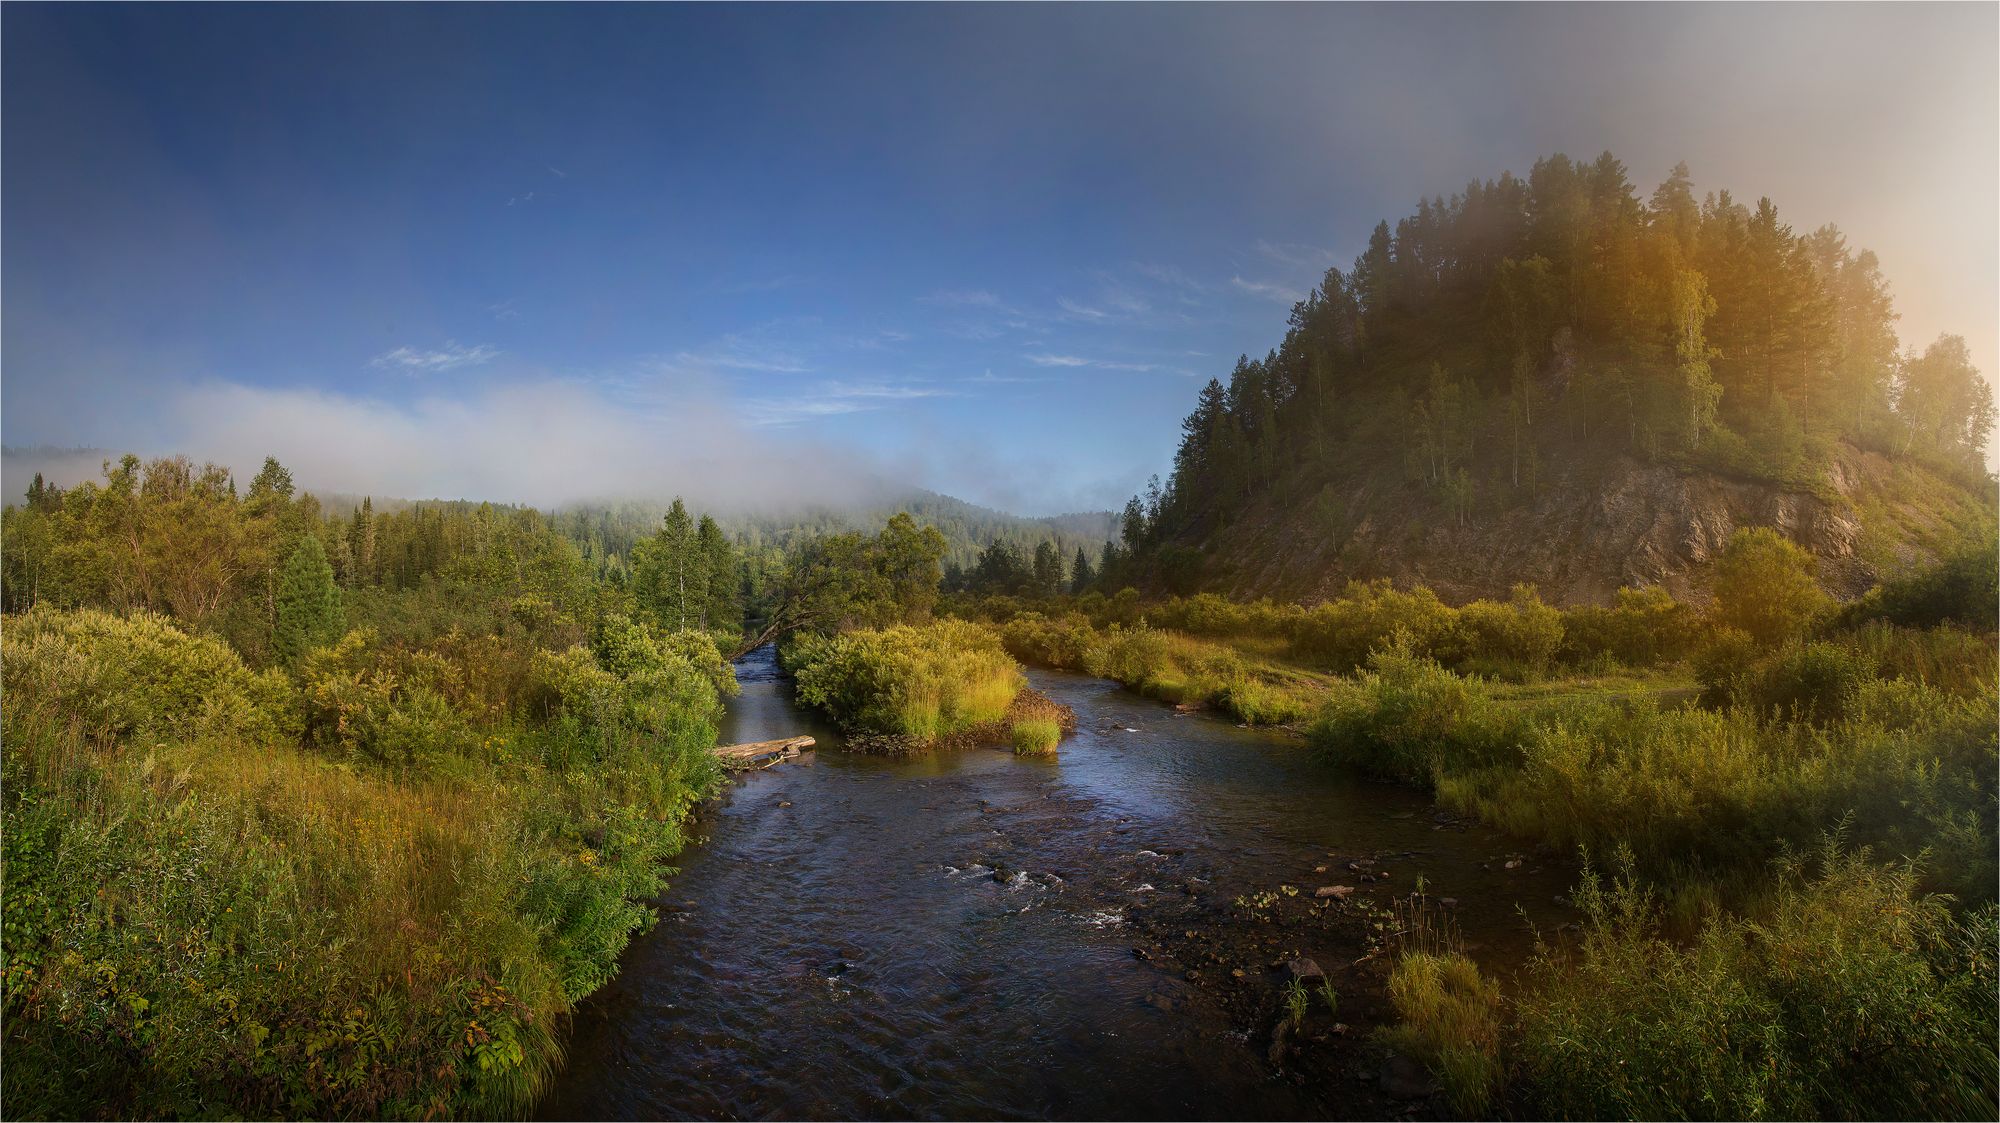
1626	523
1548	380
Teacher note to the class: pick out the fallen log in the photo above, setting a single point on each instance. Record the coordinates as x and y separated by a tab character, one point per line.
759	754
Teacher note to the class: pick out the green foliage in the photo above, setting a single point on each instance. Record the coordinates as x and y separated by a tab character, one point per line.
1962	589
1764	585
1556	319
1849	996
1407	718
309	612
204	919
111	678
1645	627
922	682
1522	635
1340	634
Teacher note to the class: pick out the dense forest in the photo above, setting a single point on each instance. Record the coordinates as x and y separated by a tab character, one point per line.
1527	336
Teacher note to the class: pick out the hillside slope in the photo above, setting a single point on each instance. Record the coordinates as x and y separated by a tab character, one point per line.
1592	531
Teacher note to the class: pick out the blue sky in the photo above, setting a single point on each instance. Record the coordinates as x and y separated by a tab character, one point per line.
548	253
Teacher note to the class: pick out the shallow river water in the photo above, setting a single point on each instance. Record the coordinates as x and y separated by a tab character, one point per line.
945	937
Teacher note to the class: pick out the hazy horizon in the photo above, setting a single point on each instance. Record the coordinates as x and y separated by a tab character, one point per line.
542	255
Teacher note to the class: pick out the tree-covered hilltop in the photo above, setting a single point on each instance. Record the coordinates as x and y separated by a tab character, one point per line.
1502	358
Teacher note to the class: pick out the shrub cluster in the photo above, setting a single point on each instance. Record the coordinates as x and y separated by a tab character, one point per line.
1849	996
922	682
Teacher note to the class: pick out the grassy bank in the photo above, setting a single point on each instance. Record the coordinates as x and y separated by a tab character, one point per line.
1802	925
1170	666
371	887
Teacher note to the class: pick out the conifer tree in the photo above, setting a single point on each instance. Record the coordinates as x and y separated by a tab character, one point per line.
309	612
1080	575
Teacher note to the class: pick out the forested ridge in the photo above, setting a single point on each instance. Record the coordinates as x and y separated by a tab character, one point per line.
1498	358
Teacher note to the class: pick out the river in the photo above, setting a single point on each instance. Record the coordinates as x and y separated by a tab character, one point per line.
953	936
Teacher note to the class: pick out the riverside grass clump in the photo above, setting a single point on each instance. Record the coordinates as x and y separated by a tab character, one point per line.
231	893
910	686
1037	723
1449	1017
1035	737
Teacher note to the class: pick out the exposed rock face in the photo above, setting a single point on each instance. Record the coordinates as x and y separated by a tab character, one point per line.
1586	535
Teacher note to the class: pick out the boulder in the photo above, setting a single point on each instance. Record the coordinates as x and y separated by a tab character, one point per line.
1303	970
1336	892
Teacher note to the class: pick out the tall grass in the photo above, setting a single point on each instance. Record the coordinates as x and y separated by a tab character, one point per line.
205	917
1035	736
1450	1019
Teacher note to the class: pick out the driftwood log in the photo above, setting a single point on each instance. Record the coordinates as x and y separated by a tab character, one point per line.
762	754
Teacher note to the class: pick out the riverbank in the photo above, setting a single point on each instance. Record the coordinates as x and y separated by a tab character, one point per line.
349	893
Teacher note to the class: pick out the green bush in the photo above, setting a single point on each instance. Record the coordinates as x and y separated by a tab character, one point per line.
1407	718
923	682
1521	635
1851	996
1646	627
1963	588
1340	634
1062	642
140	677
1764	586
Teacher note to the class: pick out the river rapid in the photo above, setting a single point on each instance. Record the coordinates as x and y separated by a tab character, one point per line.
966	935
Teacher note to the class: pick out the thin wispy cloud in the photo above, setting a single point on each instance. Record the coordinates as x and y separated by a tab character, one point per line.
1047	360
1080	311
988	378
558	172
886	337
1269	290
449	357
834	399
745	352
1171	275
528	198
506	309
1299	254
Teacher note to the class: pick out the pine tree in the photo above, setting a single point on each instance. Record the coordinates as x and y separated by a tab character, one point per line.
1080	575
361	544
309	611
1048	570
722	577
